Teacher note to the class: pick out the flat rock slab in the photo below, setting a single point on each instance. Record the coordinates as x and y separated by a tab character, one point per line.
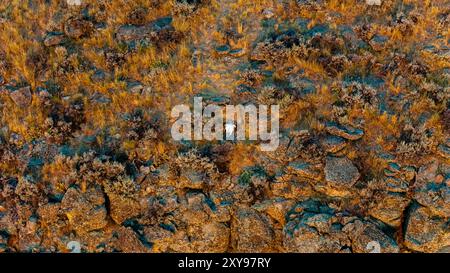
333	144
304	169
340	172
346	132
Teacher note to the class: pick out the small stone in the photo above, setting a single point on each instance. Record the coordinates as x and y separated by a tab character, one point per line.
243	88
99	98
132	32
213	98
74	2
77	28
321	221
340	172
268	13
302	85
54	38
135	87
223	49
99	76
238	52
378	42
151	31
21	96
15	138
373	2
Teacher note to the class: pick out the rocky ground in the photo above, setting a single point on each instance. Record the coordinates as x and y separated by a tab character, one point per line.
86	156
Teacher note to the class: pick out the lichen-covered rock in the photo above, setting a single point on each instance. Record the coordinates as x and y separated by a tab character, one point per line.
290	188
312	229
29	238
192	179
160	238
304	169
388	207
426	232
251	231
333	144
340	173
362	233
210	237
86	211
344	131
124	201
432	188
123	208
128	242
205	233
198	228
275	208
